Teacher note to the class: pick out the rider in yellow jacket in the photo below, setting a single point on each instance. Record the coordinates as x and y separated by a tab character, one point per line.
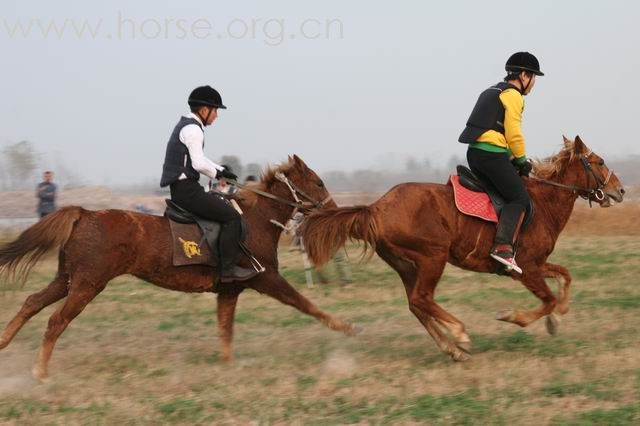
497	151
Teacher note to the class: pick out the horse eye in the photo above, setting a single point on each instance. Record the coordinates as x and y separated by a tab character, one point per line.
320	184
601	163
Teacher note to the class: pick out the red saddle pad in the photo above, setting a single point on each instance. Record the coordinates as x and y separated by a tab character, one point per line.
472	203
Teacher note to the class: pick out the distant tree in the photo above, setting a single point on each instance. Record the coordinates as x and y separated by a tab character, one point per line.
412	165
232	161
452	163
253	169
20	161
4	177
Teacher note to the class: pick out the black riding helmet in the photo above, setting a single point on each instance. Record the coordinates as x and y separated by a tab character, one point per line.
205	96
523	61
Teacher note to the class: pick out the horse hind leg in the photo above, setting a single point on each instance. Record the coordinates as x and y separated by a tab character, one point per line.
81	292
420	287
55	291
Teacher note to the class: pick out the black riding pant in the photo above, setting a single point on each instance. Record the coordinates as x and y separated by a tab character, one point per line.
189	195
496	168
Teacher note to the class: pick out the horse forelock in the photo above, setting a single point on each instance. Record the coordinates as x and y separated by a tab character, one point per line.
268	178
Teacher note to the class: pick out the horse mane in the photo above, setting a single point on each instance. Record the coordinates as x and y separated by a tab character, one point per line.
247	198
269	175
553	166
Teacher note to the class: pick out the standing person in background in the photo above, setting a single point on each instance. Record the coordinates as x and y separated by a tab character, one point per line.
46	193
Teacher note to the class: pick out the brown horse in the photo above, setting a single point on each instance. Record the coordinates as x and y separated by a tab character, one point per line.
416	228
97	246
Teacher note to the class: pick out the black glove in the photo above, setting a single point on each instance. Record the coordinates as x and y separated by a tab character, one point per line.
523	168
225	173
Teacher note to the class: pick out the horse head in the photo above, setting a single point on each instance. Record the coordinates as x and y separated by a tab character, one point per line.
582	170
308	185
292	183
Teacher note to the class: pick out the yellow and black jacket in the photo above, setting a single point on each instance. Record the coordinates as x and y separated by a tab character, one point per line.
495	122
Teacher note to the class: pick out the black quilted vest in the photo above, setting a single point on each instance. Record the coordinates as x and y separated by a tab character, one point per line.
487	114
177	160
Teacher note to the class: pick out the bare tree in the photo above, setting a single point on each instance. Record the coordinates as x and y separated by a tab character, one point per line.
20	161
253	169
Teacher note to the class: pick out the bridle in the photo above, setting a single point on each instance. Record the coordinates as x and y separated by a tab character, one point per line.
308	203
586	193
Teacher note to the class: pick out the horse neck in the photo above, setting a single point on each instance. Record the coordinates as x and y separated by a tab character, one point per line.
558	203
259	218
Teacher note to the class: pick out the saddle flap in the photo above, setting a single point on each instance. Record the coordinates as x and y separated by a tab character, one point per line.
189	246
195	240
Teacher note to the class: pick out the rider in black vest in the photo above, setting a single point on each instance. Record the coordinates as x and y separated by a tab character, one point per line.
497	150
185	160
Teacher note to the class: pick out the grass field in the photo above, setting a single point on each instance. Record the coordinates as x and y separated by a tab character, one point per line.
142	355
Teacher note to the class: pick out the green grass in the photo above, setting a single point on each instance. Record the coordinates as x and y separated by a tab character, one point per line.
142	355
182	410
627	415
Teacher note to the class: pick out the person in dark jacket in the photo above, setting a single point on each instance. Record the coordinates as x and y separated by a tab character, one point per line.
46	193
497	151
185	160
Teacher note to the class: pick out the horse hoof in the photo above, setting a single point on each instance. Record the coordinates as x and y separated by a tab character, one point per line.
552	322
39	374
506	315
353	330
460	356
464	346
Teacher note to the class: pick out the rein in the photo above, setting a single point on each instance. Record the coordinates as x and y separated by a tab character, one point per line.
585	193
310	204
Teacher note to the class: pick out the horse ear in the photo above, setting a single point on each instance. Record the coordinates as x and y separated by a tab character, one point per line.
579	146
298	161
565	140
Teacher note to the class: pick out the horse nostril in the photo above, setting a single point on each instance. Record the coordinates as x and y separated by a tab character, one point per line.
622	191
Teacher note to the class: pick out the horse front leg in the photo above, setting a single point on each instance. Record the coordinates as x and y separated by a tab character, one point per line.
534	281
274	285
562	275
226	312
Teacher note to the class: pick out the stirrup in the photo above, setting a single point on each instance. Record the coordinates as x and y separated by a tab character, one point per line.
509	263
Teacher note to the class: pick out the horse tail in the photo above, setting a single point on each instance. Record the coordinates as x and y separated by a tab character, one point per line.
18	257
327	230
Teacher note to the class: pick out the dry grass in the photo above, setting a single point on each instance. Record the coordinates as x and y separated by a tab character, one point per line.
142	355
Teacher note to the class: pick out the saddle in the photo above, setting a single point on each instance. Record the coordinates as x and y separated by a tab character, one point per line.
195	240
476	197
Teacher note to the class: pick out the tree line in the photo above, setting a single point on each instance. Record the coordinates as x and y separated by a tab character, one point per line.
20	169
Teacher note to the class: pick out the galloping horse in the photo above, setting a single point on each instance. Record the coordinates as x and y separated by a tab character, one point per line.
97	246
416	229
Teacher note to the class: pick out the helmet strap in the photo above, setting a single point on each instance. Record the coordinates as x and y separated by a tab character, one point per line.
204	119
524	87
208	115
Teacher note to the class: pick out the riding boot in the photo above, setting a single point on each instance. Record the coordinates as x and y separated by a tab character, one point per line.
509	225
229	249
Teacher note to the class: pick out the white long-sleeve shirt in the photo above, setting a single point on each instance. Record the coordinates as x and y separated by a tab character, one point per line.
193	137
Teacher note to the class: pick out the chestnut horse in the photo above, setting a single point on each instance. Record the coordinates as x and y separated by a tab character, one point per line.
416	229
97	246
